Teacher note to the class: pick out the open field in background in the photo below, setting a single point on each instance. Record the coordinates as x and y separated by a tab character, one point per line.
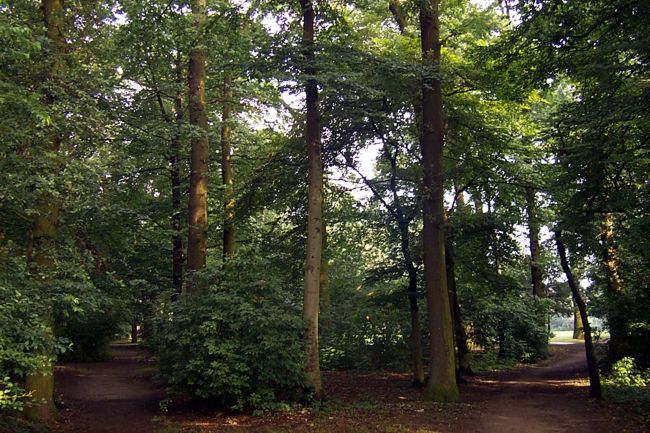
567	337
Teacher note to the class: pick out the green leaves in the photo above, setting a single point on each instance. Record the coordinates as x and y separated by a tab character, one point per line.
239	346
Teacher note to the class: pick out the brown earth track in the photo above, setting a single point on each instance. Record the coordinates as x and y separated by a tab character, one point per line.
550	397
121	396
116	396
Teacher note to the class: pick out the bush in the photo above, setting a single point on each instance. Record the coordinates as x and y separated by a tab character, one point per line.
27	345
625	372
90	335
364	336
237	346
12	396
628	384
513	325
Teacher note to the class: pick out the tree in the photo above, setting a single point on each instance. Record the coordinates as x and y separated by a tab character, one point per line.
226	168
442	380
41	384
592	364
536	275
200	150
314	206
595	57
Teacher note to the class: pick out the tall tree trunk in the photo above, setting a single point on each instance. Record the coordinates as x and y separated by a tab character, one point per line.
314	205
615	318
41	384
533	237
442	376
134	331
226	169
199	152
594	377
417	364
578	328
403	222
325	295
463	356
175	173
494	234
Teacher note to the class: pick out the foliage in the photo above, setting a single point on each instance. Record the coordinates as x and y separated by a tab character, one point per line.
90	334
626	383
556	104
12	396
366	335
514	326
26	343
625	372
239	346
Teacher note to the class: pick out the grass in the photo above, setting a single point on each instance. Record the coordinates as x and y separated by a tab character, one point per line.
564	337
567	337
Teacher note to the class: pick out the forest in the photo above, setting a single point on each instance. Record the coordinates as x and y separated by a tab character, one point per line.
275	206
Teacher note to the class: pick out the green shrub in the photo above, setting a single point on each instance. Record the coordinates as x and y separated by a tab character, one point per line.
514	326
237	346
626	383
365	335
12	396
26	342
625	372
90	335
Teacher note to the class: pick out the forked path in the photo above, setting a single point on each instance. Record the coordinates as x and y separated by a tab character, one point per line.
116	396
121	396
548	397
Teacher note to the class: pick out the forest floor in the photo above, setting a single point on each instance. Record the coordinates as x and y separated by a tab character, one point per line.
122	396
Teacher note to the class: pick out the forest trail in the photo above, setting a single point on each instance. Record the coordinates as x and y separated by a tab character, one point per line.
121	396
116	396
549	397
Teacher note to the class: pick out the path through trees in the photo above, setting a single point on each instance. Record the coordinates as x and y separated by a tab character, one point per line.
121	396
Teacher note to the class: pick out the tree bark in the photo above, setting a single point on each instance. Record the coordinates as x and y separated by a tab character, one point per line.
134	332
578	328
460	336
417	364
314	205
442	376
175	174
325	304
594	377
533	237
615	319
199	152
226	169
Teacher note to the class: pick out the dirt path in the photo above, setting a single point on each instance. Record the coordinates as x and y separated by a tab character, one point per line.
117	396
121	396
545	398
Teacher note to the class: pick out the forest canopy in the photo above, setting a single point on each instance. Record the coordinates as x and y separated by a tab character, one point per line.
261	190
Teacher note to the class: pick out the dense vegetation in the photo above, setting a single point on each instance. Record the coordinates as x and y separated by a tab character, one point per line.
261	190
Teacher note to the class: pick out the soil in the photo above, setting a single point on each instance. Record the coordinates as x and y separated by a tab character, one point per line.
116	396
122	396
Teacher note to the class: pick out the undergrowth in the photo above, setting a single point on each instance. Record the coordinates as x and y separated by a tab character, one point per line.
491	361
629	385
